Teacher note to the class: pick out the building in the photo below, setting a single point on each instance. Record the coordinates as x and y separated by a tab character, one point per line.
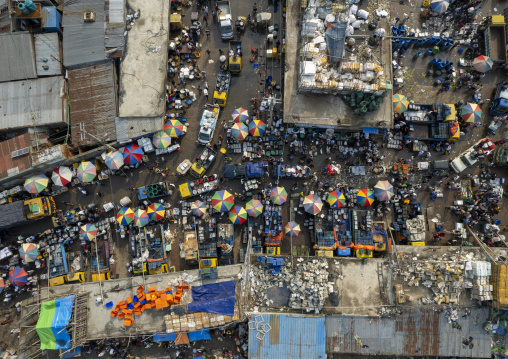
47	54
17	57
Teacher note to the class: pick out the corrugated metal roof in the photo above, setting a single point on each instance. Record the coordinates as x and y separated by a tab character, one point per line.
115	15
290	337
47	53
25	103
83	42
5	22
17	56
418	332
128	128
116	11
92	98
9	165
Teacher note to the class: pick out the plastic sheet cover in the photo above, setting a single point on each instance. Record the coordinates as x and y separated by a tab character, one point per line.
256	169
54	317
199	335
164	337
218	298
76	352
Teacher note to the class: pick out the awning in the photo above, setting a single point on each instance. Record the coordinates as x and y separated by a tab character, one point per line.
199	335
164	337
372	130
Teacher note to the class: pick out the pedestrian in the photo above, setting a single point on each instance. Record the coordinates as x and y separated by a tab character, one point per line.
221	52
205	10
131	188
208	52
99	194
205	20
98	183
207	31
205	93
200	90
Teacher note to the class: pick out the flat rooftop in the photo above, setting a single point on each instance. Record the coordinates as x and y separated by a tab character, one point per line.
143	70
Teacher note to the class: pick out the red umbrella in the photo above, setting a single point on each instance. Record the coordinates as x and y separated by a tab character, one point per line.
18	276
132	154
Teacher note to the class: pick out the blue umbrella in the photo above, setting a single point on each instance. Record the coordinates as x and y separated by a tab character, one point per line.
439	6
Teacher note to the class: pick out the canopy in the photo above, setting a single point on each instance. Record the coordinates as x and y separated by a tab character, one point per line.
257	128
439	6
174	128
88	231
2	285
125	216
278	195
292	228
141	218
132	154
365	197
28	252
62	176
161	140
86	171
114	160
254	207
471	112
218	298
240	115
198	208
483	63
400	103
312	204
36	184
18	277
223	201
240	131
155	212
454	131
383	191
336	199
53	320
238	215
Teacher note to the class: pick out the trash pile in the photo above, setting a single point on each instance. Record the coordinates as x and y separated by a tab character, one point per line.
479	273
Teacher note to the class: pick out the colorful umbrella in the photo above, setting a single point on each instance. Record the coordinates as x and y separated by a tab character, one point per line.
28	252
223	201
254	207
88	231
365	197
238	215
161	140
383	191
292	228
483	63
336	199
2	285
36	184
141	218
257	128
399	103
439	6
198	208
240	115
471	112
132	154
278	195
62	176
86	171
18	276
114	160
174	128
125	216
155	212
240	131
312	204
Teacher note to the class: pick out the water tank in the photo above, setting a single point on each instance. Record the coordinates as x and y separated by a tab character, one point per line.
23	8
29	4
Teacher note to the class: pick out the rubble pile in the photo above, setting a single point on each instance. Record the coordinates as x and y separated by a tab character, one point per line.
416	228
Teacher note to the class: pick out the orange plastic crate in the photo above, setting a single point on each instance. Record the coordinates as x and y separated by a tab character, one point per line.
148	306
121	315
138	312
127	322
185	287
129	300
168	289
136	305
141	288
114	313
152	289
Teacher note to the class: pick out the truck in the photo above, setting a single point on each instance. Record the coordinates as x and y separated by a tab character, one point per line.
198	187
153	190
190	248
248	170
495	39
64	268
22	212
225	20
100	255
470	156
499	106
235	57
203	162
155	247
441	131
220	94
208	123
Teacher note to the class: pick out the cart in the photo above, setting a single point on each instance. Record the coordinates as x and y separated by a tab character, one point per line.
184	167
263	19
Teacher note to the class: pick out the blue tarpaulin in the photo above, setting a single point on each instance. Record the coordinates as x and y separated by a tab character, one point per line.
335	39
199	335
164	337
67	354
218	298
256	169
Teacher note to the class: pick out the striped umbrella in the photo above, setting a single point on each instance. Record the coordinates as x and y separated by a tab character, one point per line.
254	207
240	115
2	285
132	154
174	128
399	103
125	216
312	204
336	199
365	197
483	63
238	215
161	140
471	112
18	276
155	212
62	176
383	191
114	160
292	228
86	171
240	131
36	184
257	128
141	218
28	252
88	231
198	208
278	195
223	201
439	6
